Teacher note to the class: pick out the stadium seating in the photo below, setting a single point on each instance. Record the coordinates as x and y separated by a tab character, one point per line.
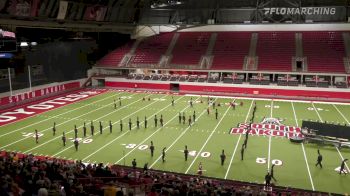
189	48
113	58
230	49
36	175
275	51
150	50
324	51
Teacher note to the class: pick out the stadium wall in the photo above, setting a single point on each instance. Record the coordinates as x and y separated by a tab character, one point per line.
39	92
301	93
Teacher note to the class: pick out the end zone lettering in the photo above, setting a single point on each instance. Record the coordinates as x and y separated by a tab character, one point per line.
36	108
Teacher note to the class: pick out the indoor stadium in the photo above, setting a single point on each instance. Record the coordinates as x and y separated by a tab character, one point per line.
174	97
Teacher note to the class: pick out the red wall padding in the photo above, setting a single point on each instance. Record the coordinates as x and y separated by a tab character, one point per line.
246	91
139	85
266	91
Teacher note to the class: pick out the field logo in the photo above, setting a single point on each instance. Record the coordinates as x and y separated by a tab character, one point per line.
268	127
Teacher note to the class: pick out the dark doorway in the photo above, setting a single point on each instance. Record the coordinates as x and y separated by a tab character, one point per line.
101	82
299	65
174	87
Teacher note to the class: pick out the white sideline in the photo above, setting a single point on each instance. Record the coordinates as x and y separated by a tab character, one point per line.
302	146
205	143
234	151
56	115
82	125
269	99
108	127
149	136
171	145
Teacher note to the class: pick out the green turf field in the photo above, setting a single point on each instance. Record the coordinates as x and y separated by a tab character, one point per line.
205	139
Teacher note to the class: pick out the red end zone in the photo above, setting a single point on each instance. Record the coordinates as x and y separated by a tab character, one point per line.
28	110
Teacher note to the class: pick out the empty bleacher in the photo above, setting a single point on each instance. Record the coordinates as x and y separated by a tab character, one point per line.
151	49
324	51
113	58
230	49
190	47
275	51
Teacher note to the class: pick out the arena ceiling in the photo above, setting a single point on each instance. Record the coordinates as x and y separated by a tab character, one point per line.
123	15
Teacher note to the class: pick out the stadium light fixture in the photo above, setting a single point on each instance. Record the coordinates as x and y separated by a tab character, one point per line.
166	3
24	44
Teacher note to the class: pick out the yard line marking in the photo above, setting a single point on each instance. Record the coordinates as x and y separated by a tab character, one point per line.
113	124
302	146
318	114
269	149
81	125
57	125
341	113
151	116
342	158
55	115
176	140
175	116
234	151
205	143
335	147
271	111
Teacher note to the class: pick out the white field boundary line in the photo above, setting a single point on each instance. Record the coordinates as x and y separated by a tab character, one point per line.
303	148
234	151
56	96
55	115
269	99
113	124
205	143
141	143
3	147
151	116
318	114
171	145
335	147
269	149
347	121
342	158
79	126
